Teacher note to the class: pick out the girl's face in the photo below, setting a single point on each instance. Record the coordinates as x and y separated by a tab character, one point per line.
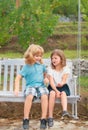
38	57
56	60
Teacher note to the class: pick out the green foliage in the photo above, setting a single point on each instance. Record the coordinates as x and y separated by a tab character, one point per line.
66	7
5	10
84	9
34	22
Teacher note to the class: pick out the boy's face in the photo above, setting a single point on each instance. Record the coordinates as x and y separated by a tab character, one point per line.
38	57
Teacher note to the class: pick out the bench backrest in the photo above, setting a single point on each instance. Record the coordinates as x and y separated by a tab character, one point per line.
9	68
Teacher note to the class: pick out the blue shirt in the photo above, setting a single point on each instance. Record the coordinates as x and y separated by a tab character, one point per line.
33	74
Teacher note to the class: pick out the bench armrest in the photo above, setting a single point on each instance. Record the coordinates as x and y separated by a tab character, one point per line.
75	84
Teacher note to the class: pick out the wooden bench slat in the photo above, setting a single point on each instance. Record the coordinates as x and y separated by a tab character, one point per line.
11	78
5	77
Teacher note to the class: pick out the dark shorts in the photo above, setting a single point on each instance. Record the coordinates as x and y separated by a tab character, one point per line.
64	88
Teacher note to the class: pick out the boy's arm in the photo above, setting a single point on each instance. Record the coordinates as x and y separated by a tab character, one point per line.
17	84
46	79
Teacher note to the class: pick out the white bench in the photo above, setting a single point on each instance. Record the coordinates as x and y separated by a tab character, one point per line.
8	71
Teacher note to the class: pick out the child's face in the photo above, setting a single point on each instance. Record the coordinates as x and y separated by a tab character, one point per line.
56	60
38	57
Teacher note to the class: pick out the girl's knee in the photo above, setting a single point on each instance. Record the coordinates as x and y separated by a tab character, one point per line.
63	93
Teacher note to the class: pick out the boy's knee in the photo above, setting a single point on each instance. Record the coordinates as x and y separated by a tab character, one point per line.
52	94
44	96
30	97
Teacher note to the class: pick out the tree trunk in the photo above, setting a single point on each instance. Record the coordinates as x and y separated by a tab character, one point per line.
18	2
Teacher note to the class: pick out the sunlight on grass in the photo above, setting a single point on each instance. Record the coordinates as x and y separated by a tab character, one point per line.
84	84
11	55
70	54
65	28
84	81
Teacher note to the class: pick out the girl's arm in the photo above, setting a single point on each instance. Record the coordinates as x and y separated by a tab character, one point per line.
64	79
17	84
53	84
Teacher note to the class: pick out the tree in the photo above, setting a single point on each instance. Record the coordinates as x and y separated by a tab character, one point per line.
6	8
84	9
66	7
34	21
29	20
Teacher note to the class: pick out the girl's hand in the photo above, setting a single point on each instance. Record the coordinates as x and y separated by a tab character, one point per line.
57	94
59	85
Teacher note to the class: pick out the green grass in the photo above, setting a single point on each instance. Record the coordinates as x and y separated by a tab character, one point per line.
71	28
11	55
70	54
84	81
84	85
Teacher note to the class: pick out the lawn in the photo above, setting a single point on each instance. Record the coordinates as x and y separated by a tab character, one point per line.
70	54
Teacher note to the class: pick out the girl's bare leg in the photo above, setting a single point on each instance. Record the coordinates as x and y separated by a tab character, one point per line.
64	101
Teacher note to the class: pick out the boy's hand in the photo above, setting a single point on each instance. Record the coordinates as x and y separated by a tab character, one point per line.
16	92
46	81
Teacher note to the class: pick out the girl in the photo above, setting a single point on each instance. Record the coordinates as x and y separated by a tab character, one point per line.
58	77
34	73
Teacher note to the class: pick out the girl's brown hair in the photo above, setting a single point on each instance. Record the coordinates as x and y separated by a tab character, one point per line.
31	52
59	53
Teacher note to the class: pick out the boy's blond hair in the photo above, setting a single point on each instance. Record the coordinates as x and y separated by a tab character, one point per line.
31	52
59	53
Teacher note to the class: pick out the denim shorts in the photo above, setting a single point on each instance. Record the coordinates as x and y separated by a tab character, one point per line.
36	91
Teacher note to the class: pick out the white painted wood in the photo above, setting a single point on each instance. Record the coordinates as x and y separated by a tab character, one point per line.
9	68
11	78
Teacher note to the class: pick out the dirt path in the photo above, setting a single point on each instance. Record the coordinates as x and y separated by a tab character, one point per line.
6	124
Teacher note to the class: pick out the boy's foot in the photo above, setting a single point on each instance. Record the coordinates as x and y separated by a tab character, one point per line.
50	122
26	124
43	124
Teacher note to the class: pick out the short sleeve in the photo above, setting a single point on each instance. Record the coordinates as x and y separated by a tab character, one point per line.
44	68
49	71
22	72
66	70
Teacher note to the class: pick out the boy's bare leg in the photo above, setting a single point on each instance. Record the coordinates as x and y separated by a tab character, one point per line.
44	106
51	103
27	106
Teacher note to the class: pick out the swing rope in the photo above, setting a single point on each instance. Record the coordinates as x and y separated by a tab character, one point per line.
79	43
